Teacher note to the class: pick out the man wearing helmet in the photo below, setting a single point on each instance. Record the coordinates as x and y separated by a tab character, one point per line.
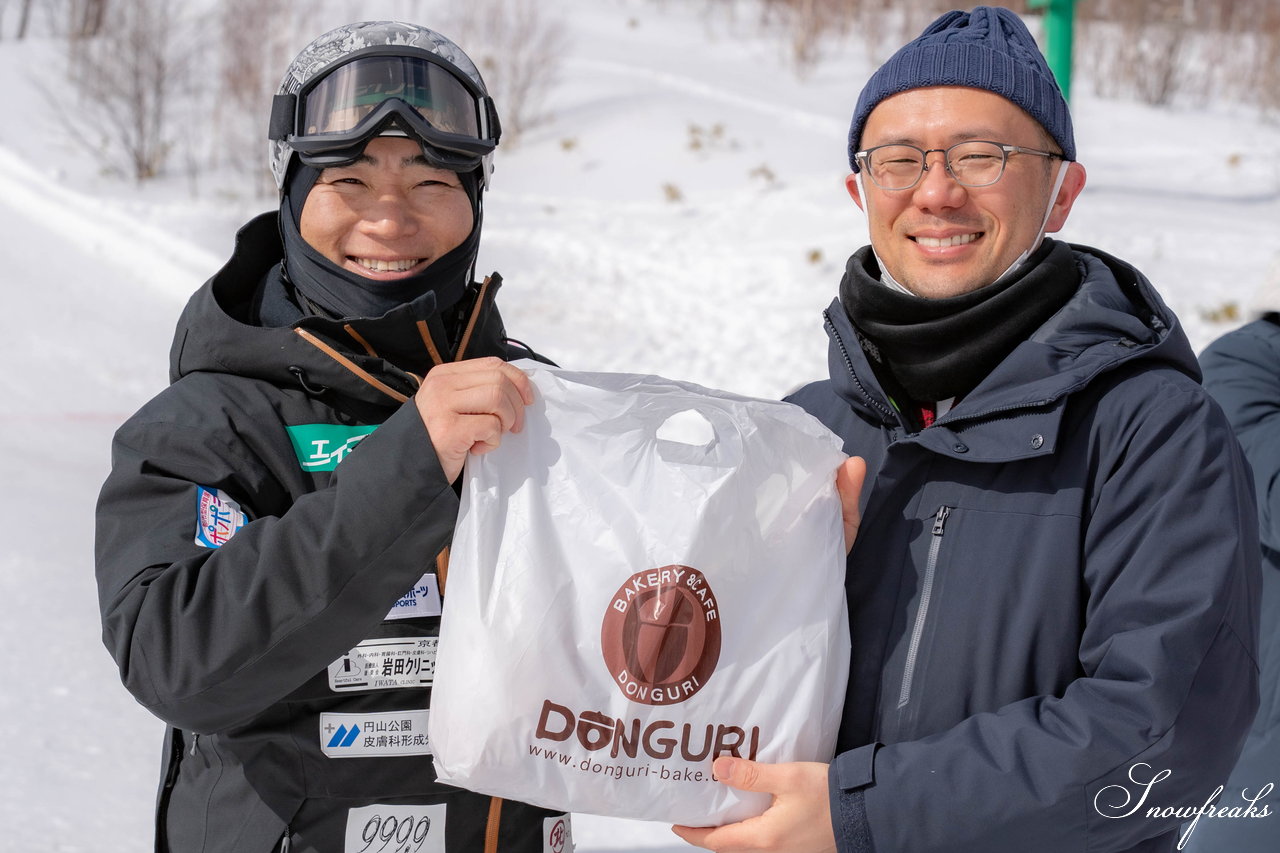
272	539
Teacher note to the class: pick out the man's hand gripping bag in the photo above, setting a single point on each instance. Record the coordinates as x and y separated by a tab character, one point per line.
649	575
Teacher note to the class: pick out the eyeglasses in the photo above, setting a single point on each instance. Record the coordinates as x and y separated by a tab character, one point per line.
974	163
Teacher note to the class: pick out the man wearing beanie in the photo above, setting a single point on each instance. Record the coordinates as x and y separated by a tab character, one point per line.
272	539
1053	593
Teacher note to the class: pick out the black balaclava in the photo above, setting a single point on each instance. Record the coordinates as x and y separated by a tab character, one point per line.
936	349
344	294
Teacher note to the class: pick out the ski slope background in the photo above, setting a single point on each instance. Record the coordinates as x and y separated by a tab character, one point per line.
624	248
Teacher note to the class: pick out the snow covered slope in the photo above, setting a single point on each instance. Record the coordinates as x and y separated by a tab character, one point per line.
682	214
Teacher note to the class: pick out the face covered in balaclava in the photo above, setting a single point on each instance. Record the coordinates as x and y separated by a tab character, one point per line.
343	293
357	83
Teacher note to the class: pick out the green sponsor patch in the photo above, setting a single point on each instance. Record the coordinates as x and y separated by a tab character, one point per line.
320	447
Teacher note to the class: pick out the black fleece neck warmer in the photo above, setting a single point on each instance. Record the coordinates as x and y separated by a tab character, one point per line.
346	294
936	349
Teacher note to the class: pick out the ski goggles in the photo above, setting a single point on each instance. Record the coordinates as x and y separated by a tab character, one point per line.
329	121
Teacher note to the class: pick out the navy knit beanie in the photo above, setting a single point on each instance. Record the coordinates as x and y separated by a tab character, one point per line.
989	48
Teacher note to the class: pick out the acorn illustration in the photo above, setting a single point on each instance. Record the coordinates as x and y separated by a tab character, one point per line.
668	636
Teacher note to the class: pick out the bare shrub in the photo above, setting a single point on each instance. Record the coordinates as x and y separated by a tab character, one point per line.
1157	51
24	19
1266	62
257	40
1162	50
886	25
1136	48
810	24
77	18
518	49
126	77
85	18
813	27
1247	64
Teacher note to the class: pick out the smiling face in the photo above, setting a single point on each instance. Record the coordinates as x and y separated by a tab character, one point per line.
388	215
940	239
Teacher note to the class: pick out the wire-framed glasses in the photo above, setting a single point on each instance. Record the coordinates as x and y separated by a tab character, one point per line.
973	163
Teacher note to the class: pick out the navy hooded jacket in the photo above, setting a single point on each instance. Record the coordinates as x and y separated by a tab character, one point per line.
1053	594
1242	372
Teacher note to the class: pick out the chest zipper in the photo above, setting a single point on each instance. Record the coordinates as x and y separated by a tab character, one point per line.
922	612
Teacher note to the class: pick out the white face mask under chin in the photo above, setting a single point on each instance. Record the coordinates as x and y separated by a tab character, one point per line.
887	279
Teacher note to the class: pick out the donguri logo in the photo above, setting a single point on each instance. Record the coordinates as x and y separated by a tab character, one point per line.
661	635
320	447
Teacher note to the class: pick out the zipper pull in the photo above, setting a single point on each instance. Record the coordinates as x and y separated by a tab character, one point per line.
940	520
195	740
284	841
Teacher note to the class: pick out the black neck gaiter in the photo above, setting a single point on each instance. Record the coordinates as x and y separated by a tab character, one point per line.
345	294
936	349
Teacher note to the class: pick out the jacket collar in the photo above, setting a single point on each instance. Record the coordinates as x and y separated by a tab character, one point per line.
219	333
1116	318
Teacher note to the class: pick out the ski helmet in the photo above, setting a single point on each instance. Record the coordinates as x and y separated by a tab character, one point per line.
382	78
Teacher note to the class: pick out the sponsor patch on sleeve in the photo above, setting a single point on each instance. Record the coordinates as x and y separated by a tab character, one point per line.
374	733
386	664
395	829
218	517
321	447
422	600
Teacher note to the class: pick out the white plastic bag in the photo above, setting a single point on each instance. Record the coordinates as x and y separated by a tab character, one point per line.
650	574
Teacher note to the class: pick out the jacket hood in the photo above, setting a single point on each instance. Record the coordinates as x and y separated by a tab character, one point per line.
219	332
1115	319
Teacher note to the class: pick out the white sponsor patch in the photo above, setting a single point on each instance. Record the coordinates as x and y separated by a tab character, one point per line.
382	733
395	829
218	517
386	664
557	835
422	600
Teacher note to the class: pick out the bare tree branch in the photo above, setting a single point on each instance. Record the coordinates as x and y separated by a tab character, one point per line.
518	50
126	76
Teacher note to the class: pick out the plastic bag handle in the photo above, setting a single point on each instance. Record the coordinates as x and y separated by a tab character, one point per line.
723	451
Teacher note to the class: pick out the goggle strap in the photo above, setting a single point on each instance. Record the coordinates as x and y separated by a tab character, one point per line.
283	110
491	118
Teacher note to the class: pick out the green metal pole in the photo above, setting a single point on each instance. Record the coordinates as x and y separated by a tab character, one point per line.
1059	28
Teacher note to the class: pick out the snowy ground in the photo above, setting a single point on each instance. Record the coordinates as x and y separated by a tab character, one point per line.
723	287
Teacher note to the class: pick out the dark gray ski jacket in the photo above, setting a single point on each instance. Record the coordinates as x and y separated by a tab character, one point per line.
266	550
1053	596
1242	372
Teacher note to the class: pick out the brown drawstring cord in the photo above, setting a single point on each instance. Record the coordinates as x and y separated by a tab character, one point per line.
436	357
442	559
471	321
430	344
423	331
491	827
442	568
350	330
351	365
